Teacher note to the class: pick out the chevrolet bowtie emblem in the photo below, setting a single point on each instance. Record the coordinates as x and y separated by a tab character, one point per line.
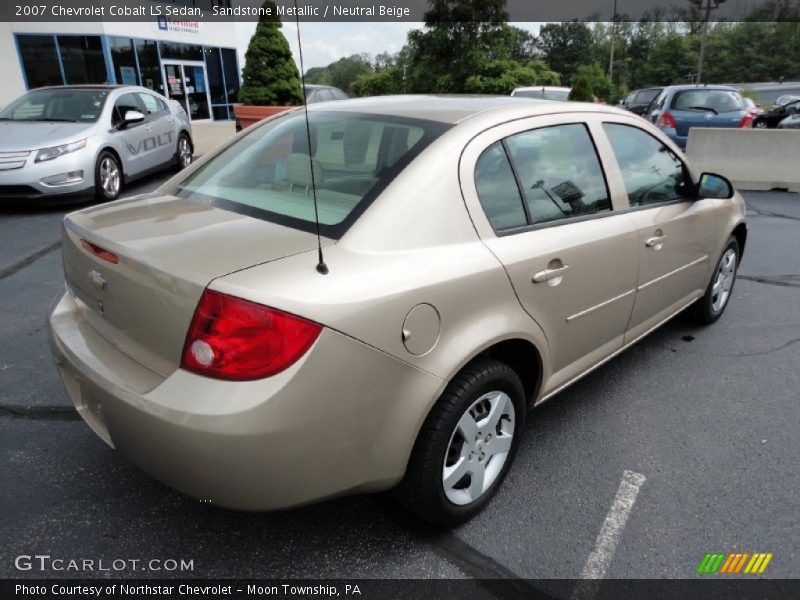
97	280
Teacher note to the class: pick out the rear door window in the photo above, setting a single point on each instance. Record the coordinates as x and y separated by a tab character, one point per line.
559	173
498	190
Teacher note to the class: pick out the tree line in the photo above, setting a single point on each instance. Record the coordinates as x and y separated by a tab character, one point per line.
458	53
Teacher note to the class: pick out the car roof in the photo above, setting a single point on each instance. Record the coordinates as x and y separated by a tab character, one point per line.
550	88
454	109
106	87
700	86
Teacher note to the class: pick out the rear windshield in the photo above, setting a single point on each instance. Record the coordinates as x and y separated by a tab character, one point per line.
267	173
717	101
70	105
561	95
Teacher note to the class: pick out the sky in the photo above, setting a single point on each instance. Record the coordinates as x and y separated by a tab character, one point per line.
324	43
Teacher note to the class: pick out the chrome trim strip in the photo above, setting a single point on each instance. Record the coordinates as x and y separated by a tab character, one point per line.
599	306
678	270
616	352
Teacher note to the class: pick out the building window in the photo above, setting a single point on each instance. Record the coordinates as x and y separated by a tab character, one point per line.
231	69
124	60
39	60
176	51
82	58
149	66
216	83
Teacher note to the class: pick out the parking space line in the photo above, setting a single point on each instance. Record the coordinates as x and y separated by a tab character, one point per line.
606	543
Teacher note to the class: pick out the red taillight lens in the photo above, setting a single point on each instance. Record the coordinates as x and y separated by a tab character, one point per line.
99	252
235	339
747	120
666	121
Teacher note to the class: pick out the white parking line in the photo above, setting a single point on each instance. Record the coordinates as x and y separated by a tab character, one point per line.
605	545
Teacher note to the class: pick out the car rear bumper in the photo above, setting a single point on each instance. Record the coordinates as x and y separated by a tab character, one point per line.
341	420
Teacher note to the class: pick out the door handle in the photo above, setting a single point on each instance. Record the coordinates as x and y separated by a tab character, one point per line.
655	242
550	274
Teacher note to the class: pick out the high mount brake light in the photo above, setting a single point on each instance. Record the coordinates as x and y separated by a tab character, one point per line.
238	340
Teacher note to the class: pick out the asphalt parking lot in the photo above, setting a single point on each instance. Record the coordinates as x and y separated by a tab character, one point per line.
708	418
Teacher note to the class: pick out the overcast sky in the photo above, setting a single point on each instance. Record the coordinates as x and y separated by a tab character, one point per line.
323	43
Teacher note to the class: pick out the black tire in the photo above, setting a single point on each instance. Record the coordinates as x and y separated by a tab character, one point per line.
183	160
422	490
111	192
705	311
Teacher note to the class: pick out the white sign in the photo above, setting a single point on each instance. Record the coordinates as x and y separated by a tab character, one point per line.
175	26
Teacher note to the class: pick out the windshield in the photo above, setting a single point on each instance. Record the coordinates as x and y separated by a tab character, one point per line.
717	101
545	94
71	105
267	173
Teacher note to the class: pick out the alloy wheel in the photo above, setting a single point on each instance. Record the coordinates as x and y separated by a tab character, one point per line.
184	152
723	280
478	448
110	177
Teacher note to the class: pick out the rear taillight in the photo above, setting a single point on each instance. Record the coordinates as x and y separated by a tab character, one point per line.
747	120
99	252
235	339
666	121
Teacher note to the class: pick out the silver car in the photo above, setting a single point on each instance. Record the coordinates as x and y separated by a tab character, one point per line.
68	141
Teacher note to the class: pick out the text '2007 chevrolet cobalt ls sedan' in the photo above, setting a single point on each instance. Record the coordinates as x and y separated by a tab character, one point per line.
483	254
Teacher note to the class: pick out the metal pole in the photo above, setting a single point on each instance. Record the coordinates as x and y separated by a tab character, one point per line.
703	38
613	40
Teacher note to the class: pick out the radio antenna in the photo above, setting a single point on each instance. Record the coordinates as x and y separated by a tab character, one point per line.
322	268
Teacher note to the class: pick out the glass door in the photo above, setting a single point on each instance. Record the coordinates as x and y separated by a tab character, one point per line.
186	83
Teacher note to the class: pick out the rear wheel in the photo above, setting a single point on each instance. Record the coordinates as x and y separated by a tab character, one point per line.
760	125
183	154
466	445
711	306
107	177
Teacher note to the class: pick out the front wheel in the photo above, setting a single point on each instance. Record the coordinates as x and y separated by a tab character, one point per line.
711	306
107	177
466	445
760	125
183	154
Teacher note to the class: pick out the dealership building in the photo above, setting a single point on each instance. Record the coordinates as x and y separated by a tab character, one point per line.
196	63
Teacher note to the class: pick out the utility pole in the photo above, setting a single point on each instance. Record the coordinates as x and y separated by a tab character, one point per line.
613	40
709	6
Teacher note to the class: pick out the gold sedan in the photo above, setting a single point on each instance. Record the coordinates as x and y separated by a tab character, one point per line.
275	326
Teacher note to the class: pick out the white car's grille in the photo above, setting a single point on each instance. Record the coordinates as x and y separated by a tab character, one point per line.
13	160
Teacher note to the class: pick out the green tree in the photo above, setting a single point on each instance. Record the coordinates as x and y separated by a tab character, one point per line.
581	89
270	75
600	83
503	75
566	46
381	83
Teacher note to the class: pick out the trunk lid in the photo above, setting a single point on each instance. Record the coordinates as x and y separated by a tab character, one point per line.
168	251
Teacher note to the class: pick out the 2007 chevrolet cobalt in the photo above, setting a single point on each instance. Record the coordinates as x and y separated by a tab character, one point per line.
482	254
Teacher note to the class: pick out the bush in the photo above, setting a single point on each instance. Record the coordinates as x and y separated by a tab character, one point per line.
581	89
381	83
270	75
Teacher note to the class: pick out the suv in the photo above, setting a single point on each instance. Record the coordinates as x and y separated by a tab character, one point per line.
678	108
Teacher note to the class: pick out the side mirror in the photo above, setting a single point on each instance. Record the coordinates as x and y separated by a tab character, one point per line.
132	117
714	186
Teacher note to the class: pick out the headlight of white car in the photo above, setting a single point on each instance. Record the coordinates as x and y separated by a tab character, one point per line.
56	151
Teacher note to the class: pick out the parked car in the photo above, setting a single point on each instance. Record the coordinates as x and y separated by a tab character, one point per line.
638	100
323	93
771	119
785	99
790	122
475	258
314	93
543	92
678	108
74	141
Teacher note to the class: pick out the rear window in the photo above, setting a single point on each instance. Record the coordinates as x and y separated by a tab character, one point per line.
268	174
561	95
717	101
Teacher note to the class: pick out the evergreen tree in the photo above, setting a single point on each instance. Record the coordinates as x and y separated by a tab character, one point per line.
270	75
